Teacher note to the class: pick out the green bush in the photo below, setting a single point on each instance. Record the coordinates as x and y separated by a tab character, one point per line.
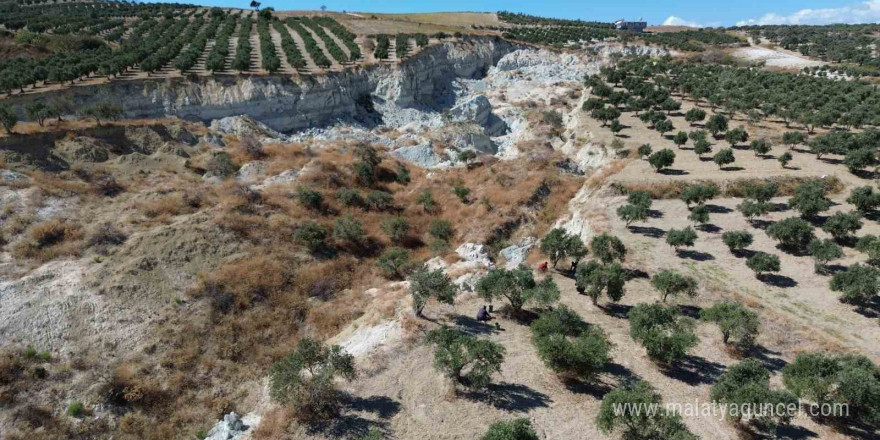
662	159
350	197
698	193
842	225
809	199
607	248
441	229
824	251
681	237
737	240
865	199
394	262
763	262
593	278
349	229
379	200
847	379
724	157
76	409
312	235
396	228
858	284
310	198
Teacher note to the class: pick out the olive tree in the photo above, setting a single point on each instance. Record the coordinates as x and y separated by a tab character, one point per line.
858	284
736	136
681	237
607	248
640	425
865	199
824	251
695	115
559	244
665	334
851	380
593	279
644	150
698	193
305	379
724	157
662	159
8	117
738	324
784	159
425	284
518	287
792	233
516	429
680	138
809	199
870	245
668	282
763	262
716	124
751	209
746	385
466	359
842	225
568	346
394	262
737	240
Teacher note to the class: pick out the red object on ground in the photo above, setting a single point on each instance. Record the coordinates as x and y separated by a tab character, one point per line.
543	267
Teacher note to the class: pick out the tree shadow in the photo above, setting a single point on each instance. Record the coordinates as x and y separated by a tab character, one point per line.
777	207
871	309
732	168
850	428
717	209
761	224
743	253
777	280
694	255
632	274
768	357
353	425
709	227
510	397
673	172
690	311
619	311
472	326
653	213
831	161
793	432
793	250
597	388
695	370
648	231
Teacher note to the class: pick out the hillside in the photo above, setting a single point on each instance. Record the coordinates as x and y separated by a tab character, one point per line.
253	225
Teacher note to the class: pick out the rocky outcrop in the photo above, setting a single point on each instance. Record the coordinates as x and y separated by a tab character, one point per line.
422	155
230	428
516	254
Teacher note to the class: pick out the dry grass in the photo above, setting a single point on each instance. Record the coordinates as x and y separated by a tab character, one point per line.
731	188
50	239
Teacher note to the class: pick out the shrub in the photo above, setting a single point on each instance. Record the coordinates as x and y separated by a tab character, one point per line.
673	283
607	248
662	159
518	286
736	136
632	213
763	262
681	237
396	228
860	158
350	197
735	321
761	146
349	229
394	262
701	147
426	284
379	200
640	425
644	150
402	176
516	429
698	194
865	199
462	192
456	351
858	284
304	379
809	199
842	225
680	138
724	157
76	409
716	124
695	115
824	251
666	335
594	278
737	240
364	173
793	233
426	199
748	383
568	346
311	235
310	198
441	229
792	138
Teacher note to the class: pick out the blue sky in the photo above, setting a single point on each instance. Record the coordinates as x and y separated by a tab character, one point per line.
687	12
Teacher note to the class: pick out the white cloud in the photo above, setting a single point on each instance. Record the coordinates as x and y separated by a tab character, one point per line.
864	12
678	21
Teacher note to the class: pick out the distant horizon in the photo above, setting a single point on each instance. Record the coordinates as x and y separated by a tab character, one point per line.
678	13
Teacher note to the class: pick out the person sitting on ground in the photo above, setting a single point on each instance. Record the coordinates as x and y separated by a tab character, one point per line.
574	266
483	314
543	267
